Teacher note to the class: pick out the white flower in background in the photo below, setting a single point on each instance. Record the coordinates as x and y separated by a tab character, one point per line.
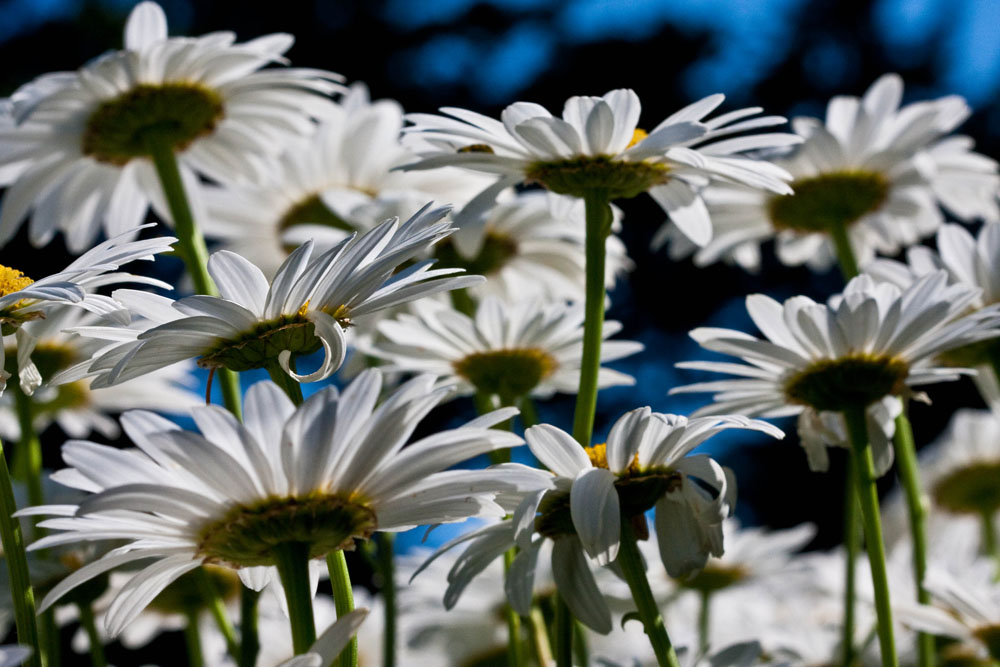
507	350
324	474
871	342
875	168
597	145
308	305
529	247
329	644
972	261
23	299
335	181
71	404
12	655
79	151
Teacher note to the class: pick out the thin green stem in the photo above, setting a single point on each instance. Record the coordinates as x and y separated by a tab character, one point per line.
30	453
213	600
515	649
868	498
845	253
192	639
288	384
916	505
190	242
48	632
852	544
989	537
529	412
630	561
387	577
17	567
343	600
563	630
704	621
540	637
580	649
599	218
292	559
97	658
249	644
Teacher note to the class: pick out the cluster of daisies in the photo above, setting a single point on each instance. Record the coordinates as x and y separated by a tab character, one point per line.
371	266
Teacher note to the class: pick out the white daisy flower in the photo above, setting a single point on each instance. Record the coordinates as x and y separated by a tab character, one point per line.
78	152
972	261
338	180
13	655
307	306
597	145
506	350
874	170
71	404
23	299
871	342
323	475
527	248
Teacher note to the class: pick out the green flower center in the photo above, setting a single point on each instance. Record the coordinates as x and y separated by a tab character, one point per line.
579	175
830	201
990	636
849	382
971	489
510	374
187	593
247	535
178	113
312	211
715	576
496	252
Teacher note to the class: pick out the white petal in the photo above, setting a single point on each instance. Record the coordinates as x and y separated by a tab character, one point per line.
596	515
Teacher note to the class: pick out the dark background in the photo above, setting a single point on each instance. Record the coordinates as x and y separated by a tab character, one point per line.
788	56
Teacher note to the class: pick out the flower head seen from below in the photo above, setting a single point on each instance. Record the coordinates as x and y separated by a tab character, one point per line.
82	141
506	350
24	300
324	475
873	171
328	184
871	342
597	146
306	307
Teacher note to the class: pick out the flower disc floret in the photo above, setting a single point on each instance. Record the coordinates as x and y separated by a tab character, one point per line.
248	535
507	373
829	201
849	382
579	175
12	280
971	489
177	113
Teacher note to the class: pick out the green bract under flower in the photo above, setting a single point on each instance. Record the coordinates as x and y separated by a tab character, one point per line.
496	250
990	636
188	594
829	201
179	113
247	535
580	175
261	346
850	382
312	211
511	373
971	489
715	577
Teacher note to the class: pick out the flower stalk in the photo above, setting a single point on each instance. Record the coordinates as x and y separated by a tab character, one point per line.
97	658
387	574
249	643
293	568
192	639
868	499
17	567
343	599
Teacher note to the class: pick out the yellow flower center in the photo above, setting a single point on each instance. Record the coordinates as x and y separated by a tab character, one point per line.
12	280
178	113
637	135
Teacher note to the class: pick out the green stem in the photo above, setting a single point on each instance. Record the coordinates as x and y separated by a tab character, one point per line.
192	638
343	599
190	242
540	637
989	536
288	384
463	302
17	567
293	568
704	620
598	226
97	658
852	544
916	505
30	453
580	649
387	575
845	253
630	561
868	497
563	630
48	632
249	644
529	413
515	649
213	600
